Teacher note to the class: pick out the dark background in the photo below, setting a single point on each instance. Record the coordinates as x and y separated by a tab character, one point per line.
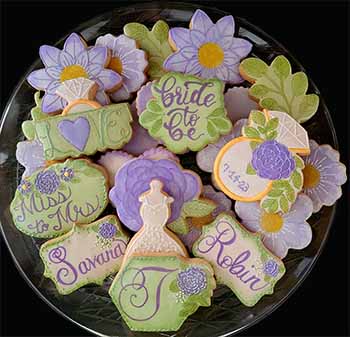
316	33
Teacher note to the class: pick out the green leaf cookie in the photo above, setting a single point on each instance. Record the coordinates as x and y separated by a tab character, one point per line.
154	42
276	88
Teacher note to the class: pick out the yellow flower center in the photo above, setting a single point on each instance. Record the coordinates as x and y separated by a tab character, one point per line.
73	71
24	187
210	55
66	174
311	176
271	222
116	65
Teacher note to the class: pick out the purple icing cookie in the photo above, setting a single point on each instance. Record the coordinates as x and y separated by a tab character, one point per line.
238	104
75	60
30	154
207	49
159	153
140	141
143	96
112	161
134	178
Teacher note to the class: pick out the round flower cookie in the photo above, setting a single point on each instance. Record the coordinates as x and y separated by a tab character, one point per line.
323	175
279	231
207	49
74	61
126	60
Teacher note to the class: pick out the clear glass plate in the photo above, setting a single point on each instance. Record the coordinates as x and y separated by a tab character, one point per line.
90	307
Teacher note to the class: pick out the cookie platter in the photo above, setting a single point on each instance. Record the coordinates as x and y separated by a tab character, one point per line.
202	195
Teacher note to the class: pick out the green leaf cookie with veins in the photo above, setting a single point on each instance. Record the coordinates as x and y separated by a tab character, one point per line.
86	254
276	88
158	293
47	203
154	42
186	112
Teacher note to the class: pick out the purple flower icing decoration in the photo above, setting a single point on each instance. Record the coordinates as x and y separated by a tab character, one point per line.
192	281
75	60
134	178
208	49
273	161
24	187
127	60
67	174
107	230
323	175
47	182
271	268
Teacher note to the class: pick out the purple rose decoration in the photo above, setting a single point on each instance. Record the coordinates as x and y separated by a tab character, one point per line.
271	268
134	178
47	182
107	230
273	161
192	281
67	174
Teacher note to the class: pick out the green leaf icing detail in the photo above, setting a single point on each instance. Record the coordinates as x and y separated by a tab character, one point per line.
154	42
164	308
277	88
253	262
250	170
110	128
190	112
284	192
198	208
50	211
106	255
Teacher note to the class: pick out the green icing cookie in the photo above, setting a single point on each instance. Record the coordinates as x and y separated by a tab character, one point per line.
82	133
239	259
154	42
47	203
186	112
86	254
158	293
276	88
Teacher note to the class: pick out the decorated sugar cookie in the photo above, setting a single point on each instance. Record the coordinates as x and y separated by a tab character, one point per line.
143	96
48	202
80	94
205	158
184	186
154	43
207	49
112	161
30	154
81	133
238	104
168	289
239	259
276	88
323	175
263	164
186	113
74	61
126	60
86	254
154	237
279	231
141	140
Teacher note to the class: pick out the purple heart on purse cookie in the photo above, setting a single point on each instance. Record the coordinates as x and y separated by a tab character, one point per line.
75	132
